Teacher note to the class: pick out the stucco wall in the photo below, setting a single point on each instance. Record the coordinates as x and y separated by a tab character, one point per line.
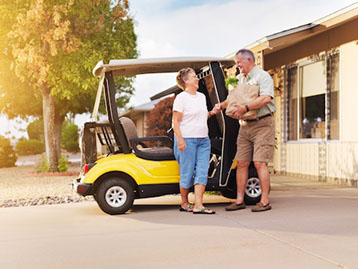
349	91
138	121
342	163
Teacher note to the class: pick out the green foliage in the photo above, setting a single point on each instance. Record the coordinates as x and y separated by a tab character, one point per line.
232	81
17	97
8	156
160	118
28	147
102	30
51	47
69	137
43	165
35	130
62	164
72	146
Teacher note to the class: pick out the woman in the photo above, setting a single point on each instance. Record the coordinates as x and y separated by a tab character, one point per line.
191	141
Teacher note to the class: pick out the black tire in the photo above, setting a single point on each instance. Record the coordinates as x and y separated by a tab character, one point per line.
253	188
252	191
115	196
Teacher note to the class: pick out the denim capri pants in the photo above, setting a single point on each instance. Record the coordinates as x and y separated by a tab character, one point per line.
193	161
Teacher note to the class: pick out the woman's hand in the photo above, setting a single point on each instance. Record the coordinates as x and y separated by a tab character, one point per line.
217	108
177	116
181	144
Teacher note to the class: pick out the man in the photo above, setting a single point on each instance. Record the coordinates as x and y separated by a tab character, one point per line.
256	137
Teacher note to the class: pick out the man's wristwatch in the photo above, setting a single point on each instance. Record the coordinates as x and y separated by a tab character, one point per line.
247	108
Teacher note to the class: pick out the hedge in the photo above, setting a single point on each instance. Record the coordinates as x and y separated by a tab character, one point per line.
8	155
29	147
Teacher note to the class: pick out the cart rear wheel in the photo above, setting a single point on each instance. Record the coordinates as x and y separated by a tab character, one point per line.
252	190
115	196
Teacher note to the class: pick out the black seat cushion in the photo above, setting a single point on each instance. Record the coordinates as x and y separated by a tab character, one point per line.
155	153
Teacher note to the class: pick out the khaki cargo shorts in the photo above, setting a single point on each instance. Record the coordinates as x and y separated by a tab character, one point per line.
256	141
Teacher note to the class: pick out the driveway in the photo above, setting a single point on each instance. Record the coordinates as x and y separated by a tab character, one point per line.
312	225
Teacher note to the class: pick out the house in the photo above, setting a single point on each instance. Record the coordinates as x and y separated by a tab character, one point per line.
314	67
139	116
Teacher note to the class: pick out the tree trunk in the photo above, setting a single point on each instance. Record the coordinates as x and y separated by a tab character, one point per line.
52	130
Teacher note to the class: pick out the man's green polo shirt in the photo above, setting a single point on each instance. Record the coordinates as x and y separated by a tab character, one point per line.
261	78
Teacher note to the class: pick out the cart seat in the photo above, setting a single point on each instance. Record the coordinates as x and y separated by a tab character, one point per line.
156	148
162	150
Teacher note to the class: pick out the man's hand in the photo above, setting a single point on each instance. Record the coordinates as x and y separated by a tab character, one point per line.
239	111
181	144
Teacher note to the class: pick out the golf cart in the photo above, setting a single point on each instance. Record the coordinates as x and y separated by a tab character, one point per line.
140	167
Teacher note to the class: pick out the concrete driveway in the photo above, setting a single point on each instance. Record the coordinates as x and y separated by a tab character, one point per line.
312	225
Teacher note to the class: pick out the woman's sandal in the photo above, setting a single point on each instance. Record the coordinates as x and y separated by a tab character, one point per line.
204	210
188	208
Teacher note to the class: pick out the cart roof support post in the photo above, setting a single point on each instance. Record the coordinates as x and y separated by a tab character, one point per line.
113	113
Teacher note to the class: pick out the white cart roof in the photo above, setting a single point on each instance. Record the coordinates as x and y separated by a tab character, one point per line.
132	67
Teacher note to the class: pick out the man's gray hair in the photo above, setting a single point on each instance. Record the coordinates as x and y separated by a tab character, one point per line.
246	54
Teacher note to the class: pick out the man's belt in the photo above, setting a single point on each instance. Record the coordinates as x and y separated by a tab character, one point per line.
259	118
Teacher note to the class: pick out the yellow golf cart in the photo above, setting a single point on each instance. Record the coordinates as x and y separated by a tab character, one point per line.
140	167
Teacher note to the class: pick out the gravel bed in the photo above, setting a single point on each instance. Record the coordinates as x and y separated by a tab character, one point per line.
44	201
18	187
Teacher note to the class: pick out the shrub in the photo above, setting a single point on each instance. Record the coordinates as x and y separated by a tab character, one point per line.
31	146
43	164
69	137
62	164
160	118
72	146
35	130
8	156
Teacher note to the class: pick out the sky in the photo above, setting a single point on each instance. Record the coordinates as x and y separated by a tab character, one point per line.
171	28
174	28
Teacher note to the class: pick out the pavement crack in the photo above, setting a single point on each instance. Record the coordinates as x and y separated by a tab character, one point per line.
287	243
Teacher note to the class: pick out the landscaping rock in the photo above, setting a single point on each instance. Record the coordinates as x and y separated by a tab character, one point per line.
19	186
44	201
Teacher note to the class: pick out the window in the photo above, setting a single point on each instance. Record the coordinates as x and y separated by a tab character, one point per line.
313	100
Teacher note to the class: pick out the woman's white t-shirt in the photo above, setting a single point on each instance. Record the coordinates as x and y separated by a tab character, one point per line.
195	114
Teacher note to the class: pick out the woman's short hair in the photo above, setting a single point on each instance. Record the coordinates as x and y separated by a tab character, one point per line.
183	74
246	54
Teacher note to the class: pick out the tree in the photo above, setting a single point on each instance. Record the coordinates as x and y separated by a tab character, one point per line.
52	46
159	119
